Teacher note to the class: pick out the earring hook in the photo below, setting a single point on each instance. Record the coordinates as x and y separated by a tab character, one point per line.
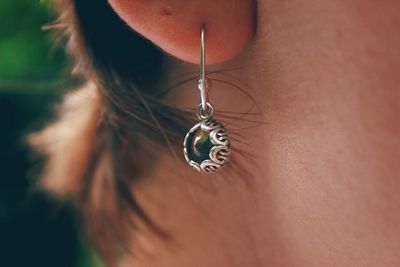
202	54
202	81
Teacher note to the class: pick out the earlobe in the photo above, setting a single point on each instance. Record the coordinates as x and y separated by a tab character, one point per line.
175	25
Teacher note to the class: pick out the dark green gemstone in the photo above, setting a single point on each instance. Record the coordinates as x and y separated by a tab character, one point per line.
199	146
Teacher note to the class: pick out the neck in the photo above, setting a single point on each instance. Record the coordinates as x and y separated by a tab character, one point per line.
324	186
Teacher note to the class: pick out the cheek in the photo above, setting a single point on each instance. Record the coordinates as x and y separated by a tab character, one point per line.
175	25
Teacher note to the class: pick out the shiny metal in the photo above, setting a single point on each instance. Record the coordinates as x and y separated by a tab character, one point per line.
204	114
203	84
216	136
218	155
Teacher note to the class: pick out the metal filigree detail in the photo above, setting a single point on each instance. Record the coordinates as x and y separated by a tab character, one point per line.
219	151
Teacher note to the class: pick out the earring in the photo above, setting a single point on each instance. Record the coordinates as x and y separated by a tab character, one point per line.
206	146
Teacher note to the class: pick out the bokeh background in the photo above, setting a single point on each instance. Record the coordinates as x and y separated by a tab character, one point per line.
35	230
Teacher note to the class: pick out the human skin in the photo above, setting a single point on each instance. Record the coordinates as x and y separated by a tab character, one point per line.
324	186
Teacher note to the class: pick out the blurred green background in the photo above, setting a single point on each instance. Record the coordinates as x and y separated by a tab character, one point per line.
34	229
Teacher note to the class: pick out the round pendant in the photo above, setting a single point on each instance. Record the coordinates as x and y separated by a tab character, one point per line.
206	146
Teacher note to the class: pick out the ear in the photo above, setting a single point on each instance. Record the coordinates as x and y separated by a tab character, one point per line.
175	25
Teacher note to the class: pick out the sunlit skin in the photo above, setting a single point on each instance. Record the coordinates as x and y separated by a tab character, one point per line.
324	189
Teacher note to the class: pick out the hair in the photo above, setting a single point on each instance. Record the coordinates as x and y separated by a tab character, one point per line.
109	127
113	117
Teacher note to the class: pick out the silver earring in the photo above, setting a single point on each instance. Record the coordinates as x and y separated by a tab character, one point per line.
206	146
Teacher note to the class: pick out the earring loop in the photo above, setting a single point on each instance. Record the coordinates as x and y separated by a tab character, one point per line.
204	114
